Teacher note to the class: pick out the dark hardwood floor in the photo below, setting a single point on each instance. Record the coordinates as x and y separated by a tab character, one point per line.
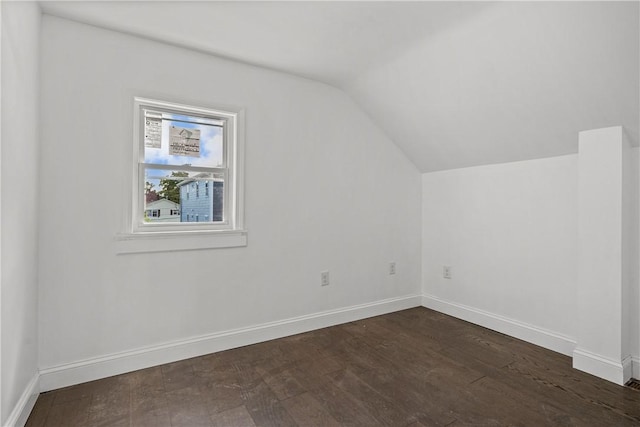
411	368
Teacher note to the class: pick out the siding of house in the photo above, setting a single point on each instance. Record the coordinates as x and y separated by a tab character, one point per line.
165	207
201	201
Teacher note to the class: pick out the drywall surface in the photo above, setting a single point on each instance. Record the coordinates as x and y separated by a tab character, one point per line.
325	190
632	259
635	263
607	261
20	44
600	267
509	234
630	242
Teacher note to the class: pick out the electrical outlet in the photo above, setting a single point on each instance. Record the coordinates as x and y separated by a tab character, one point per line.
392	267
324	278
446	272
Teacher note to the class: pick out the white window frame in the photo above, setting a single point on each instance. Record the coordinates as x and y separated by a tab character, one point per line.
231	230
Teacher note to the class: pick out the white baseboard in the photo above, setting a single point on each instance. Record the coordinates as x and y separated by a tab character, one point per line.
114	364
18	417
616	371
533	334
635	367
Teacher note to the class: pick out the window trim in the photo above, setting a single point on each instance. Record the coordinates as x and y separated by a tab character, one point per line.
233	225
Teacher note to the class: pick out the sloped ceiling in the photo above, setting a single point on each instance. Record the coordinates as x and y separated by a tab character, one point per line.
453	84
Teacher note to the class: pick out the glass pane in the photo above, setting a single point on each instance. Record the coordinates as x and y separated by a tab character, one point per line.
174	139
180	196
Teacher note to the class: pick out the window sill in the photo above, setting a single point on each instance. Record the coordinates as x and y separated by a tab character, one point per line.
132	243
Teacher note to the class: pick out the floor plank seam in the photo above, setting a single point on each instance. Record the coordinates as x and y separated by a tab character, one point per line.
477	379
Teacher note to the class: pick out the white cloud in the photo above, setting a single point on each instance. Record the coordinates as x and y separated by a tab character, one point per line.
211	147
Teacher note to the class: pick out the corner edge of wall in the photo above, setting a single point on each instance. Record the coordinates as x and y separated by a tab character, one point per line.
20	413
535	335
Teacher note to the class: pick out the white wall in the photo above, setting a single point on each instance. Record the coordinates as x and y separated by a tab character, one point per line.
630	253
634	263
325	190
509	232
605	245
19	226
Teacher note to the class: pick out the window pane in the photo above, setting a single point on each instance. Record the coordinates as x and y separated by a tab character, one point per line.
181	196
174	139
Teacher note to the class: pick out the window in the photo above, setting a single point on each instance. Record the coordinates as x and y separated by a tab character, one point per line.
176	149
152	213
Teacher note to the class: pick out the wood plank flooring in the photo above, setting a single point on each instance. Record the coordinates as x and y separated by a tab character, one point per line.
414	368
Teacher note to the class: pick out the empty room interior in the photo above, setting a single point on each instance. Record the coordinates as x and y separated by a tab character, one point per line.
319	213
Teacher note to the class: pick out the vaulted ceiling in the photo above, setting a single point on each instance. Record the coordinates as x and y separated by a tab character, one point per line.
453	84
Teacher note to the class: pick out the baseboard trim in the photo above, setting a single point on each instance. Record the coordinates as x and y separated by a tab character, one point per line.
18	417
119	363
618	372
533	334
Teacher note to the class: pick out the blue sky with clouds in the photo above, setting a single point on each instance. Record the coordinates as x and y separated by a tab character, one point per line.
211	147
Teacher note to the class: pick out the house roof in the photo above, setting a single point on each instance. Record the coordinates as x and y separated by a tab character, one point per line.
200	175
162	203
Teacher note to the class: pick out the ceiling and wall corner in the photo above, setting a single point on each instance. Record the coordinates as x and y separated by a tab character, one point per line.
453	84
516	82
